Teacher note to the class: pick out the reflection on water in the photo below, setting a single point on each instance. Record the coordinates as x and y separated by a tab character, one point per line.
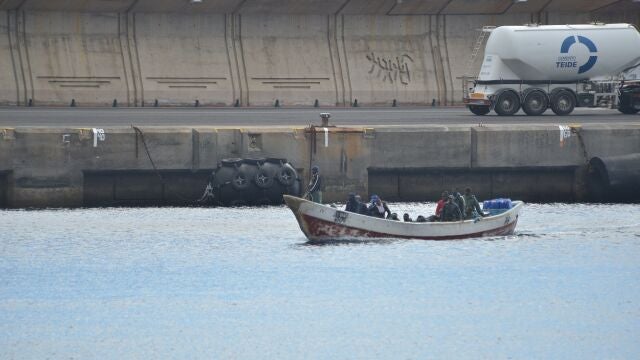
243	283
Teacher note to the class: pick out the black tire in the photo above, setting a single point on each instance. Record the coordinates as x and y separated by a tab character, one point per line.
287	175
240	180
479	109
263	178
254	161
507	103
233	162
563	103
535	103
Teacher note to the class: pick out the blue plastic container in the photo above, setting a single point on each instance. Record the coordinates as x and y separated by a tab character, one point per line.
496	206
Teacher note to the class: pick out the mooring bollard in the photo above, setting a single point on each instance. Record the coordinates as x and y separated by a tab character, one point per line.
325	119
355	103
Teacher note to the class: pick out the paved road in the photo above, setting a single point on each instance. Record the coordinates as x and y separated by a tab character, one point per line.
107	117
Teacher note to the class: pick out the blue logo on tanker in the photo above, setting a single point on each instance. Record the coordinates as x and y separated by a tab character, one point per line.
570	62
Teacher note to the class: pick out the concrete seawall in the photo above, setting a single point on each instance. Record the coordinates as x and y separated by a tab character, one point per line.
62	168
254	52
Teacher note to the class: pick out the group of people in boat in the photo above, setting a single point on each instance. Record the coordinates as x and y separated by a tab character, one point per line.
450	207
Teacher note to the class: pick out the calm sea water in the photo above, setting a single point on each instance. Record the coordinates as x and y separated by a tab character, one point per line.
242	284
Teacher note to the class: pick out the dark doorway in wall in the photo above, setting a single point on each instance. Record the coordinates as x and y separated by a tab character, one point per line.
4	189
144	188
540	184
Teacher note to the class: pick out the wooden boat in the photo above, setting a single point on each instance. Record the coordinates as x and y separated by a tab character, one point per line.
324	223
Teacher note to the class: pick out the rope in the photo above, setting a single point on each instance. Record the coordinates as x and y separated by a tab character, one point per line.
208	191
583	147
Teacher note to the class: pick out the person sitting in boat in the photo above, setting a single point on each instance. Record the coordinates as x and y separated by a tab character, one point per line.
314	189
421	218
378	208
352	205
439	206
472	206
393	217
451	211
407	218
362	207
459	200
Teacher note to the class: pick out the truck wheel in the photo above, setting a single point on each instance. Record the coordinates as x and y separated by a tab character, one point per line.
563	103
479	109
508	103
535	103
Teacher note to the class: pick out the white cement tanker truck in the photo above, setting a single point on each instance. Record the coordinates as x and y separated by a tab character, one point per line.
536	67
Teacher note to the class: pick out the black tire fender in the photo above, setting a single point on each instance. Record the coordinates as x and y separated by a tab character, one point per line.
263	178
240	180
287	175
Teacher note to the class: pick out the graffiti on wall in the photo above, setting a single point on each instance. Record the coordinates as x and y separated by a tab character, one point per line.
391	69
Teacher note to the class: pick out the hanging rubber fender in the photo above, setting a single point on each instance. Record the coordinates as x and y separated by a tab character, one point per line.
240	180
264	178
255	161
287	175
233	162
277	161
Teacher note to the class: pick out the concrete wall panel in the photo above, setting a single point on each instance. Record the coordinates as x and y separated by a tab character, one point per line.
418	7
183	58
390	57
77	5
368	7
530	6
8	89
287	58
423	147
75	56
499	148
315	7
207	6
477	7
578	5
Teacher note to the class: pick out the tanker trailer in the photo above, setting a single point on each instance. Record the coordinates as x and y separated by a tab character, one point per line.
536	67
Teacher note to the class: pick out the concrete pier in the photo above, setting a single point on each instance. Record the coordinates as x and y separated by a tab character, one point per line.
42	167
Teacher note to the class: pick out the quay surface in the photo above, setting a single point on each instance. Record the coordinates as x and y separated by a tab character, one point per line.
67	165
